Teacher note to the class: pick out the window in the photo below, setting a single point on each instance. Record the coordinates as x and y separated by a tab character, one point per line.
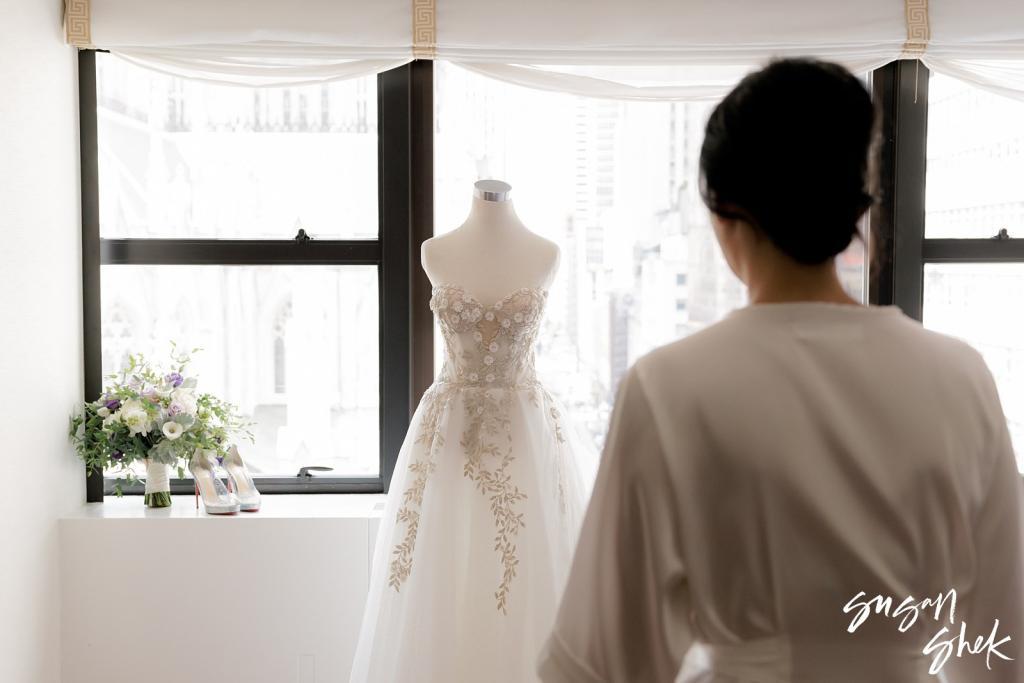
269	228
958	265
278	229
973	190
294	347
973	187
615	185
972	301
188	159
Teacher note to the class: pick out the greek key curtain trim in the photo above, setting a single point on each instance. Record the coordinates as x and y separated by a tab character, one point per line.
77	24
918	28
424	29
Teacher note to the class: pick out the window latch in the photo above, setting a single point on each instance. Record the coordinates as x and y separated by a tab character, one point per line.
301	237
1002	235
307	472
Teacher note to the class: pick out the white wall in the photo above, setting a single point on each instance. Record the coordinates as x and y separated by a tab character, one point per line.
40	329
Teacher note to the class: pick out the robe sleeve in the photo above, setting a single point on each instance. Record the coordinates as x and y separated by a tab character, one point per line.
999	560
624	615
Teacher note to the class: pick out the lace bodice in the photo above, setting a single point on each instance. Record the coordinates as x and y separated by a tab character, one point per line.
488	345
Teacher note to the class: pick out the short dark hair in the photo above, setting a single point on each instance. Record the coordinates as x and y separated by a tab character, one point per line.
788	151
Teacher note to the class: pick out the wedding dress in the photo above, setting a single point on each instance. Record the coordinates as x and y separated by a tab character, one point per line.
481	520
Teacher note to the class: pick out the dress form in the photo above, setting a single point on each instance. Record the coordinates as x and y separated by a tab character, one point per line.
492	254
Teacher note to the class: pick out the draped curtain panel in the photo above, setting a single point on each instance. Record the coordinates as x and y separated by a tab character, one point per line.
632	49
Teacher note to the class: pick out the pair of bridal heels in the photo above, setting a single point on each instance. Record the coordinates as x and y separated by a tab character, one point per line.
239	495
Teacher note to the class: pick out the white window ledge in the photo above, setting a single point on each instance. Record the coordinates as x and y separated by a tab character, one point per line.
298	506
277	591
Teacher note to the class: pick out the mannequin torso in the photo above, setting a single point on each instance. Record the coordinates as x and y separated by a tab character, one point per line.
492	254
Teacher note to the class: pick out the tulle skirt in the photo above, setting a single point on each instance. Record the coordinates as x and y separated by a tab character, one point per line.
476	539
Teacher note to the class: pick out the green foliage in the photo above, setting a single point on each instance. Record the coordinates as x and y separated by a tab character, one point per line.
149	412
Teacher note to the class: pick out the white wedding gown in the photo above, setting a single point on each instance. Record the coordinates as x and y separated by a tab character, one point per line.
481	520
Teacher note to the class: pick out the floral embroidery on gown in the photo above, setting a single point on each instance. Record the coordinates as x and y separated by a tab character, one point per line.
485	503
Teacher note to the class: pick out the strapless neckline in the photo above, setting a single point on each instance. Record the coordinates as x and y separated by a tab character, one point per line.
497	305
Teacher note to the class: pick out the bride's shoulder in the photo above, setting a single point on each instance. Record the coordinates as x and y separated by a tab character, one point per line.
707	349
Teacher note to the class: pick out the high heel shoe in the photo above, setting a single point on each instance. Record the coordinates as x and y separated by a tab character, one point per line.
240	481
216	498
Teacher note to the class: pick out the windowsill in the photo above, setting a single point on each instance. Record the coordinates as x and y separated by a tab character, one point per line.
298	506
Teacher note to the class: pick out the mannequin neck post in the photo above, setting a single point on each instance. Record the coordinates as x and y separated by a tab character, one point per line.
492	215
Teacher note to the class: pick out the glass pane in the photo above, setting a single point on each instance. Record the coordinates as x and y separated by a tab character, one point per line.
184	158
615	185
975	161
976	302
294	347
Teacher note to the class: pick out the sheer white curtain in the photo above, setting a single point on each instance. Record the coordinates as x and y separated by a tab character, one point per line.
979	42
635	49
244	68
250	42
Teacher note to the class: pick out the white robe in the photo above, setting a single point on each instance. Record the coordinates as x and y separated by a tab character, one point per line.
760	474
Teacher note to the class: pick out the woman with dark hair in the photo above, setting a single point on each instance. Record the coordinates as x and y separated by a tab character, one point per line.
812	489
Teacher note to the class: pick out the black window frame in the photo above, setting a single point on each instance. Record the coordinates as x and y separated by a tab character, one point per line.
405	220
902	248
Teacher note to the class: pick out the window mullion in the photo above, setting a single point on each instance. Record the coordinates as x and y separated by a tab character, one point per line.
901	91
394	164
954	250
422	173
91	303
238	252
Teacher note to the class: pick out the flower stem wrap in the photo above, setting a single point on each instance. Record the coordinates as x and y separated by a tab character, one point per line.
158	484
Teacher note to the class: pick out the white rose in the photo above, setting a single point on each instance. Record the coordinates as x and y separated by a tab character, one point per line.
103	412
183	401
135	417
172	430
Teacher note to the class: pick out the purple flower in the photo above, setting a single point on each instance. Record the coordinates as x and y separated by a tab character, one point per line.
173	409
117	455
175	379
113	404
220	459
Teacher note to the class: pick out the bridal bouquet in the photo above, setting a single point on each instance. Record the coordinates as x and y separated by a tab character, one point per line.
154	416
